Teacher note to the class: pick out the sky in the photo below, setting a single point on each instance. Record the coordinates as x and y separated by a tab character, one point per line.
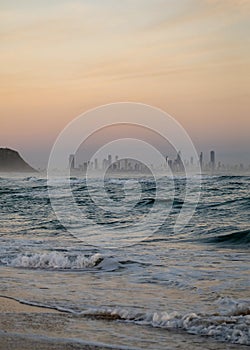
191	58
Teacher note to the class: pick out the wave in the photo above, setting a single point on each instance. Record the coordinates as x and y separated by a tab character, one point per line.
235	238
55	260
231	177
231	327
234	307
30	178
245	202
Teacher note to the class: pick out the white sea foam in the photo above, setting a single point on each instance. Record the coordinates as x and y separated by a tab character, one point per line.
232	307
230	328
56	260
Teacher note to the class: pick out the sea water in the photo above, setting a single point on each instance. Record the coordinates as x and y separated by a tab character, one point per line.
134	295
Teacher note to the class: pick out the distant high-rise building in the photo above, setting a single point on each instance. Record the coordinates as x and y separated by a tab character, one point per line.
212	160
117	162
179	166
72	161
96	164
126	164
170	164
201	160
109	159
104	163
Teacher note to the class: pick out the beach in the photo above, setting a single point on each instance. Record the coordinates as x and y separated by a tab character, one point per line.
26	327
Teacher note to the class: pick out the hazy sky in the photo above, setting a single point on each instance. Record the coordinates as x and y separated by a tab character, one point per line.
189	57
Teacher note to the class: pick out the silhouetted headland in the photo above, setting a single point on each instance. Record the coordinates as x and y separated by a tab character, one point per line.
11	161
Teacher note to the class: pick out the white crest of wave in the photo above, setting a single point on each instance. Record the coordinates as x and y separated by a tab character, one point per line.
234	307
227	328
56	260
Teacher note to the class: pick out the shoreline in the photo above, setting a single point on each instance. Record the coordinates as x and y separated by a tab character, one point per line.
10	339
11	305
27	327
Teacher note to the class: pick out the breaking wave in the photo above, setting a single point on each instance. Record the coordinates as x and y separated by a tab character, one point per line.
55	260
232	327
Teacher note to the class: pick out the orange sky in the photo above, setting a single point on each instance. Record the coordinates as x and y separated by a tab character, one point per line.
189	57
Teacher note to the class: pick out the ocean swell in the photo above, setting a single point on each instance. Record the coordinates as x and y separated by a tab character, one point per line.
235	238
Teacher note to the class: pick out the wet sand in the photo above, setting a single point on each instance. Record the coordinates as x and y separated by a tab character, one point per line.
9	305
12	312
24	327
16	341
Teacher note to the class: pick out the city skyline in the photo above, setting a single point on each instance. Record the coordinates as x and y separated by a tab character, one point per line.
116	164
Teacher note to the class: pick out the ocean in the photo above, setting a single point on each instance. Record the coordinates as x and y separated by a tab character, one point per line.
190	286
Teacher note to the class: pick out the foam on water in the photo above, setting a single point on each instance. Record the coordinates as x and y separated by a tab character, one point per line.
234	327
55	260
232	307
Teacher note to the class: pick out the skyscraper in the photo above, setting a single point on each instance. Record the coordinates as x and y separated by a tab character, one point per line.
109	159
72	161
201	160
117	162
96	164
212	160
179	166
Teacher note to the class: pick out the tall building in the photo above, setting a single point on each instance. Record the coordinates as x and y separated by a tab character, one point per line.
179	166
170	164
109	159
104	164
96	164
126	164
72	161
212	160
117	162
201	160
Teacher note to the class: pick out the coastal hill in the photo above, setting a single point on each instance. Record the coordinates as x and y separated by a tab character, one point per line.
11	161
